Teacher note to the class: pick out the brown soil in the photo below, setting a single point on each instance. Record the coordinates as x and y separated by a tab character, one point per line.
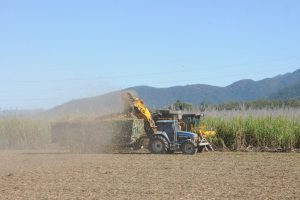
220	175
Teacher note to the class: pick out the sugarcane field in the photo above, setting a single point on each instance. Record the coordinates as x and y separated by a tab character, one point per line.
154	100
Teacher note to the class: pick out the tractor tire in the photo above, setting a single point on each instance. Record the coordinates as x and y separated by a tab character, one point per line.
158	145
188	148
200	149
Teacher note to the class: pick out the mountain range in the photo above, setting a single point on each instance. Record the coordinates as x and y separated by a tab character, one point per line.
278	87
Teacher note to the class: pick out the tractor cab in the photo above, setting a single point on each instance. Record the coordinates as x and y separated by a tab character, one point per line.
170	127
191	121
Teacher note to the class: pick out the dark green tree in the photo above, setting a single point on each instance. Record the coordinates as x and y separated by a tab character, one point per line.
179	105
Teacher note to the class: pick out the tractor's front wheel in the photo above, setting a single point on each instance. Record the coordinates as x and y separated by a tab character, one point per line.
158	145
188	148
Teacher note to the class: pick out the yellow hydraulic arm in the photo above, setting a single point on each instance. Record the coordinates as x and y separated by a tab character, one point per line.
142	112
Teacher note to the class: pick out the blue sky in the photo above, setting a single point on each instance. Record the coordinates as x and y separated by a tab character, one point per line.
55	51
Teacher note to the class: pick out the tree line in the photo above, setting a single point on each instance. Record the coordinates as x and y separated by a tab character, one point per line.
241	105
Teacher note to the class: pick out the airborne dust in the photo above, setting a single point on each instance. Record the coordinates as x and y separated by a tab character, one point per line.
78	127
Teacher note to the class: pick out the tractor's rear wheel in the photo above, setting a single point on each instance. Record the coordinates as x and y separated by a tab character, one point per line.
158	145
188	148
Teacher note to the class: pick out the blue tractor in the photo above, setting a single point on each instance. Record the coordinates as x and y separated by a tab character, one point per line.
168	138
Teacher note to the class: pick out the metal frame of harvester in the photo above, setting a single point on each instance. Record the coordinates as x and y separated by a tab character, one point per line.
164	131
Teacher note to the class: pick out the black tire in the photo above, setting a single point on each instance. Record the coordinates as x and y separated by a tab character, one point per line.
200	149
158	145
188	148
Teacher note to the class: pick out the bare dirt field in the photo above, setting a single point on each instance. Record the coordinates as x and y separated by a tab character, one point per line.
58	175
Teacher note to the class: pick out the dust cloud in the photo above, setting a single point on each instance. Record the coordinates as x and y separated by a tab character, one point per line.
113	129
95	125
